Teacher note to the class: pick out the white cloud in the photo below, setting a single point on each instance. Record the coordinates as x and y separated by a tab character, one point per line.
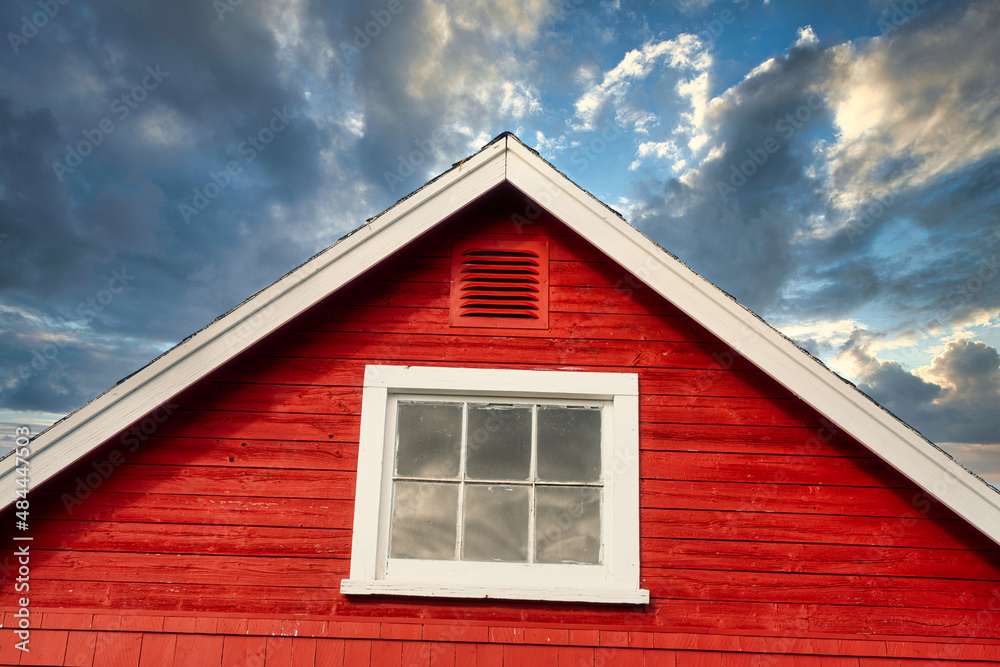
663	150
685	52
806	37
519	100
909	108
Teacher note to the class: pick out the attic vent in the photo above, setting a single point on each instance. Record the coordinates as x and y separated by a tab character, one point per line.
501	284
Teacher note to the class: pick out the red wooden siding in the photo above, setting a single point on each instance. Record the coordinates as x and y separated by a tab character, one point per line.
756	515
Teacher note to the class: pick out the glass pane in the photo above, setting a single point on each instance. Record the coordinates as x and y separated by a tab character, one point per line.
499	442
569	444
496	523
429	439
424	517
567	524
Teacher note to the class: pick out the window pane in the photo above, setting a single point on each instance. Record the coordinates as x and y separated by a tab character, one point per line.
567	524
429	439
569	444
496	523
424	517
499	442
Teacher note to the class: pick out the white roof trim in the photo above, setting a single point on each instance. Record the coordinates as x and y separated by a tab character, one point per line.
508	159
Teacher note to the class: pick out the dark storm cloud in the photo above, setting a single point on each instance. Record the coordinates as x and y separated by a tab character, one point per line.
432	79
735	222
155	100
956	399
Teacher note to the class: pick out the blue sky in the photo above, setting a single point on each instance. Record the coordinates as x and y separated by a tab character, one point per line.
833	165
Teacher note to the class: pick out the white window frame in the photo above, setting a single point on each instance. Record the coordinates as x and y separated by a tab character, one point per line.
615	580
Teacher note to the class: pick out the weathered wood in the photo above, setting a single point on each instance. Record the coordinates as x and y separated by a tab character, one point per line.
233	510
767	469
235	453
755	513
595	326
825	559
538	352
948	537
190	538
842	501
216	481
749	439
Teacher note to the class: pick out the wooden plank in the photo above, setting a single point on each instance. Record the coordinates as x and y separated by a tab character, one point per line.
200	569
387	652
212	480
118	649
752	439
448	350
401	321
46	647
852	560
80	649
190	538
279	652
769	469
176	597
178	509
196	451
802	588
261	425
241	651
417	654
199	650
157	650
271	398
882	532
730	411
791	498
303	652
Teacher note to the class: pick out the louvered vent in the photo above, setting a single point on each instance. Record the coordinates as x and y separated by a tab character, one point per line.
502	284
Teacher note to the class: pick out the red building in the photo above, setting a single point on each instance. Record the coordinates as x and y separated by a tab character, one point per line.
495	425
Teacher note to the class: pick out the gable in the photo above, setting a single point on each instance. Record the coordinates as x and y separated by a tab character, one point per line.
756	513
506	159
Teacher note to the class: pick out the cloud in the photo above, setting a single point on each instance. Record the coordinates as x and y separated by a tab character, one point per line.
914	106
953	399
663	150
455	72
684	53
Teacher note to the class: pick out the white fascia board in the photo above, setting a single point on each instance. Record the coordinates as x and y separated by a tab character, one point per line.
897	444
91	425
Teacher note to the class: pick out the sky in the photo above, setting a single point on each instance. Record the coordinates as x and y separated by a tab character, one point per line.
834	165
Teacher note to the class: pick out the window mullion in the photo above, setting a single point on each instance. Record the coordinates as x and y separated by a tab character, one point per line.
531	479
459	528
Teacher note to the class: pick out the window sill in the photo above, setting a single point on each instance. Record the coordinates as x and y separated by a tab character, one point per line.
423	589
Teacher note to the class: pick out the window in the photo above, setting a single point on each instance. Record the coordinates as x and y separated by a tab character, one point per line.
497	483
